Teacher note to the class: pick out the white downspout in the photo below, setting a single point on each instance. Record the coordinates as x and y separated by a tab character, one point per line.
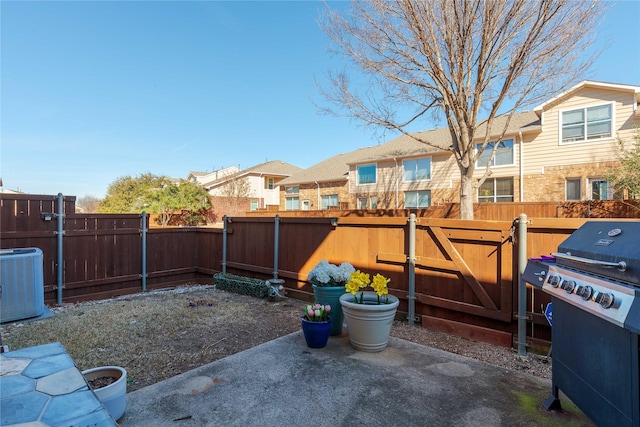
397	189
261	192
521	167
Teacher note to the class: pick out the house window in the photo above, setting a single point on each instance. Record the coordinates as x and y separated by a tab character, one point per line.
417	199
504	154
496	190
292	203
292	190
574	189
600	189
370	203
585	124
416	169
271	184
254	205
330	200
366	174
306	205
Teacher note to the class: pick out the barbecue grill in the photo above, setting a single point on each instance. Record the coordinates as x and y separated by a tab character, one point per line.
594	283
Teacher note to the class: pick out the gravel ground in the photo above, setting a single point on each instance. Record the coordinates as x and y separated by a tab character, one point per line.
159	334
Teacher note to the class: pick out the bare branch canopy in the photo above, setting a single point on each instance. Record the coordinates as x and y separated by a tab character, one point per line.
464	61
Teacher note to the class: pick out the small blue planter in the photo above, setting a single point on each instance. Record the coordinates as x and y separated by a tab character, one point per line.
316	333
331	295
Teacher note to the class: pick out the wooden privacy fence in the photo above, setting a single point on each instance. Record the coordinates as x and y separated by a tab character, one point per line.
102	253
465	271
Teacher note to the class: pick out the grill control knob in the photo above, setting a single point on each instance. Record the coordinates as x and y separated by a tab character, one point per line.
584	292
568	286
554	281
605	299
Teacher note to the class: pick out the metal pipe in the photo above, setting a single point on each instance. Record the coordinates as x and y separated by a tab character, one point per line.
521	167
225	220
522	285
60	246
412	268
144	251
276	244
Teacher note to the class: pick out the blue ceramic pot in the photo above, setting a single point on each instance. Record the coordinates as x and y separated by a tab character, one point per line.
316	333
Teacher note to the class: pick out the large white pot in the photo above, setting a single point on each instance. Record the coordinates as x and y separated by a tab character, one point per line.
113	396
368	324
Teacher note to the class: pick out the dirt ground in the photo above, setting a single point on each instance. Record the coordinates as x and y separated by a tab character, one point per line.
160	334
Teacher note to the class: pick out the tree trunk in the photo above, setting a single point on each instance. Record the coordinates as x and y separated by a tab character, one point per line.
466	197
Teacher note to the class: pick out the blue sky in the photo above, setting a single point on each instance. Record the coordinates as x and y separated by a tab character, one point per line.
94	90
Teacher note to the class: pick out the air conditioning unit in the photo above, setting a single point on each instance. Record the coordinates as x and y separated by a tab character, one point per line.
21	284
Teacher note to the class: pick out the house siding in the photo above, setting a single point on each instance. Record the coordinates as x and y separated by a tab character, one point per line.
547	163
545	149
390	187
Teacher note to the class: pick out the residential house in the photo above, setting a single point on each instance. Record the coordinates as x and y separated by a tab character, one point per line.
562	150
235	191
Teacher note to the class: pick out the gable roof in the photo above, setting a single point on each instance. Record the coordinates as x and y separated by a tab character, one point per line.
336	168
593	84
276	168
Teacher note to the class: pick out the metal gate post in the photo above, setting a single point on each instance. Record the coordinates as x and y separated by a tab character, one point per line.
60	245
412	269
522	285
225	221
276	243
144	251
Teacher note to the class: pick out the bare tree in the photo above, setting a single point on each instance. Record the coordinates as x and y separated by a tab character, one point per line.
467	61
236	189
89	204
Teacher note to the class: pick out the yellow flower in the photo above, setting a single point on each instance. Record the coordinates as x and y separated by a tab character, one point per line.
379	284
357	281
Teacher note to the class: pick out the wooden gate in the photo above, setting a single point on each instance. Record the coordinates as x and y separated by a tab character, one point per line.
464	277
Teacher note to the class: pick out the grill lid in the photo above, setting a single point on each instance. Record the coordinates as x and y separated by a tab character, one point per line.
607	249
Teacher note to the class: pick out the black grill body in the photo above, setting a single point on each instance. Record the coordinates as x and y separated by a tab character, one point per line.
596	321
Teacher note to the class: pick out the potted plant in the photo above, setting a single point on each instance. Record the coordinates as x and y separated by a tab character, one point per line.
109	384
316	325
328	281
368	314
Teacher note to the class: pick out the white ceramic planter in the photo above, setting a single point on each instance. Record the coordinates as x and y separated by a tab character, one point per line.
113	396
369	324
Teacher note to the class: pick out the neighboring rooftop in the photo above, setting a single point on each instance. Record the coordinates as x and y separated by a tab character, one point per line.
272	168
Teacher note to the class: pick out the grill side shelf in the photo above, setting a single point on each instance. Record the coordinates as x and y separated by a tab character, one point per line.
535	273
632	321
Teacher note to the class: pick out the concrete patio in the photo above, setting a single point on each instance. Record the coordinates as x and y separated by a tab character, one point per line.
285	383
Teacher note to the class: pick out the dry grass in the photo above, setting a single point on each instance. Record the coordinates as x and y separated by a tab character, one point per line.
157	335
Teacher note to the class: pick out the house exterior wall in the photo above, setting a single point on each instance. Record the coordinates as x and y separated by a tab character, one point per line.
545	150
259	189
547	162
312	193
390	186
